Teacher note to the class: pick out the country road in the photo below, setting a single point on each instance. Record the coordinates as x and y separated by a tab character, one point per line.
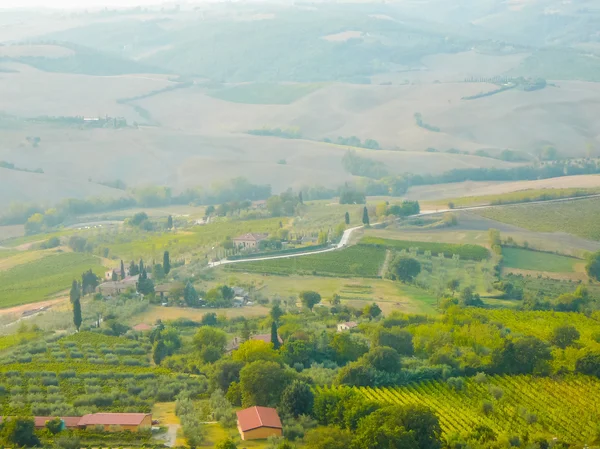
348	232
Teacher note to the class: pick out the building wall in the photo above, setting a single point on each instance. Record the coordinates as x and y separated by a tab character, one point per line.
261	433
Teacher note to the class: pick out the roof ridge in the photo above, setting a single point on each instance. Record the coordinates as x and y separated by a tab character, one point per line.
259	417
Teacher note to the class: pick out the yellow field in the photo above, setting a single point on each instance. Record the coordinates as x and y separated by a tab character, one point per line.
172	313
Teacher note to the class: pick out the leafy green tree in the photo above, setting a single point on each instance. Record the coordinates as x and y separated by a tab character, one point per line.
563	336
297	399
404	269
253	350
589	364
225	372
166	262
209	319
190	295
328	438
296	351
383	358
372	310
356	374
54	425
134	270
262	383
372	433
593	266
365	217
395	337
227	443
159	351
310	299
67	442
145	286
20	432
347	218
89	282
274	336
348	347
210	337
524	355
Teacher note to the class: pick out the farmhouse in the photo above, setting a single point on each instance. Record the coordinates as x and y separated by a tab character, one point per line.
109	274
346	326
114	422
68	422
250	240
257	423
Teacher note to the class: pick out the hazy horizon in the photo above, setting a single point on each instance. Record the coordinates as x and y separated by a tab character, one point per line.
82	4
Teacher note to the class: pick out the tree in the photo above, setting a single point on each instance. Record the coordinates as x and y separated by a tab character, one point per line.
227	443
75	292
593	266
356	374
310	299
396	338
404	269
20	432
262	383
300	199
141	266
159	351
54	425
210	337
166	262
276	312
525	355
274	336
89	282
347	218
563	336
589	364
145	286
453	285
348	347
372	310
254	350
209	319
328	438
122	270
134	270
190	296
225	372
169	222
365	217
77	319
383	358
297	399
114	277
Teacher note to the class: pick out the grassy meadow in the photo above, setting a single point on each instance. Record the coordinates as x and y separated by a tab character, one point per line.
524	259
579	217
265	93
36	280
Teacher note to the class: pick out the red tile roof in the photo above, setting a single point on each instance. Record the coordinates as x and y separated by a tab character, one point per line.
252	237
113	419
142	327
255	417
70	421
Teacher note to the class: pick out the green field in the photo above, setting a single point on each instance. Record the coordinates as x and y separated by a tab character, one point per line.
521	196
133	244
566	408
36	280
266	93
524	259
467	252
578	217
356	261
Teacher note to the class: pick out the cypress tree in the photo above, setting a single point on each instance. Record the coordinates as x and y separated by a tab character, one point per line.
141	266
300	199
274	335
347	218
166	262
170	222
114	277
122	270
365	218
75	293
133	269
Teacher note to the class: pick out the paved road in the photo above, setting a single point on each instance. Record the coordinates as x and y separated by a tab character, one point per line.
348	232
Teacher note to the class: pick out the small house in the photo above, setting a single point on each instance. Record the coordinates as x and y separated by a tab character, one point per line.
346	326
257	423
116	422
250	240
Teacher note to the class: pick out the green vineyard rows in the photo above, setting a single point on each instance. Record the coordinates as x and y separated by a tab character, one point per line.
356	261
466	252
568	409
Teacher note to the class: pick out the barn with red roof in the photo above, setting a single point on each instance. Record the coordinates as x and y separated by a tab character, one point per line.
256	423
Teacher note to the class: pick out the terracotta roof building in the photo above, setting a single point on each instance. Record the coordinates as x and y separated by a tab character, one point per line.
257	423
250	240
117	421
142	327
346	326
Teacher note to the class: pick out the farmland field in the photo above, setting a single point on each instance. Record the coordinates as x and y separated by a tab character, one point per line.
467	251
266	93
359	261
565	408
574	217
533	260
36	280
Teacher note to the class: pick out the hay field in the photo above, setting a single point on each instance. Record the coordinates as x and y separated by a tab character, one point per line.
560	116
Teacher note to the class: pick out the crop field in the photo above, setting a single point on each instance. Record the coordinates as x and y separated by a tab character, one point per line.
565	408
522	196
49	392
266	93
467	251
356	261
130	244
578	217
8	341
524	259
84	347
34	281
